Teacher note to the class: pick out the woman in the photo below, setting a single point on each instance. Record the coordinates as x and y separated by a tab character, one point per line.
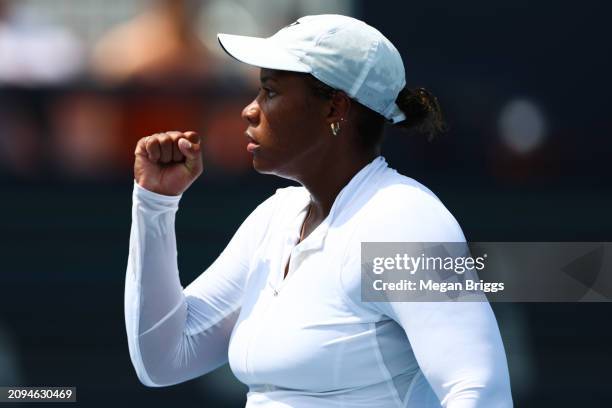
283	300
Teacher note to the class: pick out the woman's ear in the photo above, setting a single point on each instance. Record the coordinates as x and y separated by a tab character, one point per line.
339	107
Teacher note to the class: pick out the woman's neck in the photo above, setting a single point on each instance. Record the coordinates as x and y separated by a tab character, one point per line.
328	180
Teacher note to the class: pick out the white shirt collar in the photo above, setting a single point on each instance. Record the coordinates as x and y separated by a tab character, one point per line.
363	178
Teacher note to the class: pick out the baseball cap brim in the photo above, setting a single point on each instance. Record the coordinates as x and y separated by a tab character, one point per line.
260	52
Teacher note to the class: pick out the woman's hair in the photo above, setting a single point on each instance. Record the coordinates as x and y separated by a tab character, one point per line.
421	108
422	112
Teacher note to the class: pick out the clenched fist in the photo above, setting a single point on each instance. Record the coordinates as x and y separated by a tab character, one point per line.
167	163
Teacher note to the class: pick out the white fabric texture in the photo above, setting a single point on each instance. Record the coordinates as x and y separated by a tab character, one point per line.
340	51
308	340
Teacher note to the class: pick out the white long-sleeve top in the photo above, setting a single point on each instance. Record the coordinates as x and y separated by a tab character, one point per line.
308	340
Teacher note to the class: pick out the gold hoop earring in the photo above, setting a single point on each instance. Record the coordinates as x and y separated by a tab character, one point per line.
335	128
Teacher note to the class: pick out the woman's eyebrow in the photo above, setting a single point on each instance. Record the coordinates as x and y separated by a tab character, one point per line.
266	79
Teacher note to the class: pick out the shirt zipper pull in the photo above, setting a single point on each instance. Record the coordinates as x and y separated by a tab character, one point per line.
274	290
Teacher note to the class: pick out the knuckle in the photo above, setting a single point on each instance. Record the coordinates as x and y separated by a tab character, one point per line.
152	139
141	145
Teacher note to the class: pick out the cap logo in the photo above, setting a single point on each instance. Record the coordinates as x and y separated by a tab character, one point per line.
292	24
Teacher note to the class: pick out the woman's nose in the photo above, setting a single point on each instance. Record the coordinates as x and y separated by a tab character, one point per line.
251	113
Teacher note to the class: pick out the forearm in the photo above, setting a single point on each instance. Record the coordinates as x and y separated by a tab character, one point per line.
153	293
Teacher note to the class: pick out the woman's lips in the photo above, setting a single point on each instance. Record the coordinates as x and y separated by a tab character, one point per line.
253	145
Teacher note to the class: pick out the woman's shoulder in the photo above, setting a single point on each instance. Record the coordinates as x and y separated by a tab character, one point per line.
398	188
401	208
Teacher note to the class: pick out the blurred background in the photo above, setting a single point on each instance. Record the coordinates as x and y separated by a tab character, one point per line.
525	88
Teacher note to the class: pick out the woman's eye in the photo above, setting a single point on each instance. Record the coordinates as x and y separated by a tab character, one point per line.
269	93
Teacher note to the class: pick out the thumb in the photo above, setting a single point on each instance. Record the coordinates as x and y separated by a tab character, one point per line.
193	158
188	148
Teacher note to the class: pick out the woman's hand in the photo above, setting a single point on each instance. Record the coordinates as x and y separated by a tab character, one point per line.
167	163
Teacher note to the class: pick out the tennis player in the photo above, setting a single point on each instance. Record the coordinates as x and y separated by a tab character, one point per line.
282	302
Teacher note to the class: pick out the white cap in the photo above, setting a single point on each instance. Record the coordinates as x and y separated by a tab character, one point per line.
340	51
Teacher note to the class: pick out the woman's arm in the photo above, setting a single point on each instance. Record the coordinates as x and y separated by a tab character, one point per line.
459	350
173	334
457	344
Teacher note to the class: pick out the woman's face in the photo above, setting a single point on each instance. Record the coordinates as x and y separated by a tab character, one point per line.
287	128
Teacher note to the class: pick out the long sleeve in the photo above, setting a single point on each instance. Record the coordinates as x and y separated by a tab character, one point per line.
457	344
177	334
459	350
